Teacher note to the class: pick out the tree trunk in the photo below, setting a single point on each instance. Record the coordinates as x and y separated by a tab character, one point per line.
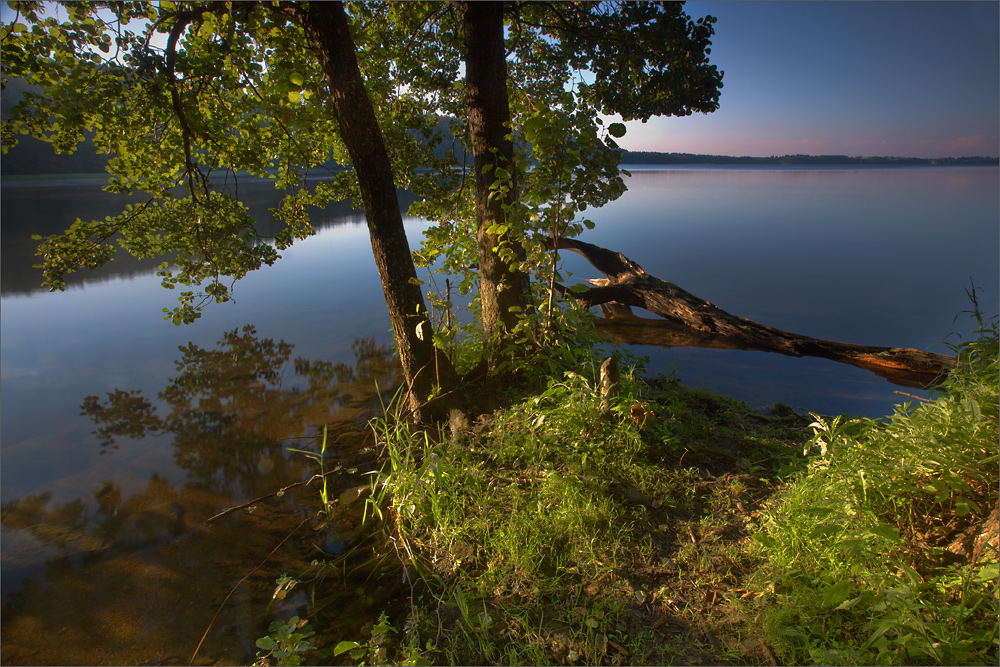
426	370
694	321
500	288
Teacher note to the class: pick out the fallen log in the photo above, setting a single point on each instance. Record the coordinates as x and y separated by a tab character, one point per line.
689	320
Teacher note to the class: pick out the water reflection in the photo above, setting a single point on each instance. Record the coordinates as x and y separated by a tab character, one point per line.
229	413
46	207
130	578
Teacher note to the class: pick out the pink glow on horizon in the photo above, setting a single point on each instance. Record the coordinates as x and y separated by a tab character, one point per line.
672	138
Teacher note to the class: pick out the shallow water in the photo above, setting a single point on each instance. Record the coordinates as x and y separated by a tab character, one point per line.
135	571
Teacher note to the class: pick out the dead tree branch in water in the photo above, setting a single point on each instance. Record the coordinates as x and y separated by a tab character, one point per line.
689	320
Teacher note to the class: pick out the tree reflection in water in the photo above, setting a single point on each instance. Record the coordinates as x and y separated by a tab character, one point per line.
230	414
136	578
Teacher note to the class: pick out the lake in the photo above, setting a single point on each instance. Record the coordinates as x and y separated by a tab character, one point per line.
106	555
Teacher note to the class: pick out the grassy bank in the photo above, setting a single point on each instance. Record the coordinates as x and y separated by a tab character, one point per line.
682	527
884	550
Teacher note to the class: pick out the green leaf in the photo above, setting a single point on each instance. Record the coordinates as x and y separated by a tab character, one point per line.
791	632
296	79
849	603
837	593
267	644
294	96
886	532
617	130
344	647
765	540
825	530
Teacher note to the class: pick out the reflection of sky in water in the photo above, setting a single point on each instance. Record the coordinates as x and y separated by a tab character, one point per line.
874	256
59	347
868	256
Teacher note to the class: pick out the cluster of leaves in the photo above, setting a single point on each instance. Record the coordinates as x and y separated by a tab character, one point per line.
286	643
565	159
376	650
874	556
565	162
182	122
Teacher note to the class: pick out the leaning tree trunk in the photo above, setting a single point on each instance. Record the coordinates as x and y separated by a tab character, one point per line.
693	321
502	291
424	368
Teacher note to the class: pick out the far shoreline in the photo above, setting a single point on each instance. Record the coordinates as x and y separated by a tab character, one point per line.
694	159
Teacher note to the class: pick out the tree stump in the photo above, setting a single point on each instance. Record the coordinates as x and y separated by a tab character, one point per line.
610	377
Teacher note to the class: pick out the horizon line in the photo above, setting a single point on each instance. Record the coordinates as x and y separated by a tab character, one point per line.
822	155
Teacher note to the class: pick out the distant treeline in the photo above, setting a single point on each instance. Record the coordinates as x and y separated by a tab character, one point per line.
31	156
649	157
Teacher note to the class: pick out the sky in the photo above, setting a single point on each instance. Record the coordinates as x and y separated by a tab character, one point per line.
860	78
907	79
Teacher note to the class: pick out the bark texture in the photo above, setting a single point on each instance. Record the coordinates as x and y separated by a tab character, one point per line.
500	289
424	368
689	320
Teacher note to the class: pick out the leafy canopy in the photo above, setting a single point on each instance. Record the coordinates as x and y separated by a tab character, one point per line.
232	92
189	98
643	59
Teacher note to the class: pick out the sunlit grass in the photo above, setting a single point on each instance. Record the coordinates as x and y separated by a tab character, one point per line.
875	554
686	527
535	526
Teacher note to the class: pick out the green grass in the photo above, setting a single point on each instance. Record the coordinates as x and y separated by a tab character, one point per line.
688	528
870	555
547	534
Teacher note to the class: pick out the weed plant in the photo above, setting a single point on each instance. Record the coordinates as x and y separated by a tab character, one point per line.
878	554
287	642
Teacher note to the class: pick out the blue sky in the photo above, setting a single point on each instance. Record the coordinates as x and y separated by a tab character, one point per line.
914	79
903	78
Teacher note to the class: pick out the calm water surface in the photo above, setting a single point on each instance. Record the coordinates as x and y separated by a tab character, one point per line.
867	256
103	540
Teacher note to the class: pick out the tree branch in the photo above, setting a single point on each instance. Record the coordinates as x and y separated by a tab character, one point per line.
697	322
182	21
